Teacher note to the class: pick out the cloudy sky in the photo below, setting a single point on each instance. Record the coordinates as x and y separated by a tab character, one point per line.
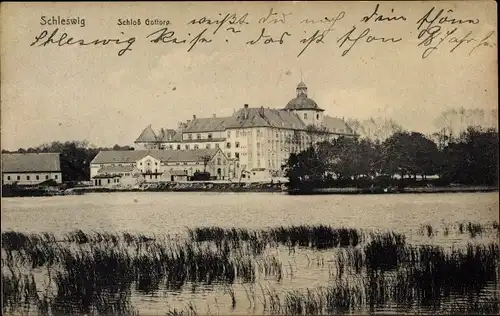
73	92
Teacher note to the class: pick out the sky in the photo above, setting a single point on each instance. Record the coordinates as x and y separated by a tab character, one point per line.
73	92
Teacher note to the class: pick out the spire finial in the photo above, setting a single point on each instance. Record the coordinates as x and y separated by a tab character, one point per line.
301	78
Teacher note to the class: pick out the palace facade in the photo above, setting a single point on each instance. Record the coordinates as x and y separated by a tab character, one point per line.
252	138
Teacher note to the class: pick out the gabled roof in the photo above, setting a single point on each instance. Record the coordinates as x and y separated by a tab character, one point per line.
147	135
118	156
31	162
114	169
262	117
130	156
336	125
212	124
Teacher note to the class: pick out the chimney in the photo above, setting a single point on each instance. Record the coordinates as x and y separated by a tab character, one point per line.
245	111
194	117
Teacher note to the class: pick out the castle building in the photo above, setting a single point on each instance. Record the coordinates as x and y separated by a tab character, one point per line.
252	138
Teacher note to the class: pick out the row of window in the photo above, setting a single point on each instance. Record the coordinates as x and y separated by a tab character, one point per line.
187	146
198	136
236	155
28	178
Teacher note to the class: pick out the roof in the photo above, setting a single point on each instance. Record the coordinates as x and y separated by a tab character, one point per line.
114	169
336	125
213	124
302	102
178	173
166	135
107	176
31	162
128	156
262	117
147	135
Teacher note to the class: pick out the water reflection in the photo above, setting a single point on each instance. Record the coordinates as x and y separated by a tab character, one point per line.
425	267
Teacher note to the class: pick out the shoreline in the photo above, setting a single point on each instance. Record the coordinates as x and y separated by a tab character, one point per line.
249	188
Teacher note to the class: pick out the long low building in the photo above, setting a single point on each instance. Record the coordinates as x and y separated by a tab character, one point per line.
126	167
30	168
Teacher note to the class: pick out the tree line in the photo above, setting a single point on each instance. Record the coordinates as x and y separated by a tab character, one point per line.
75	157
403	158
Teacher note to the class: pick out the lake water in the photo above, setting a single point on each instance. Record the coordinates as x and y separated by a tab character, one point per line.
171	213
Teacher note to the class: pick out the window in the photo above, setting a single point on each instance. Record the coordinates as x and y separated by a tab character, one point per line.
217	146
305	116
27	178
171	147
140	163
109	181
198	136
237	133
187	146
55	177
38	177
178	147
190	136
209	135
196	146
228	134
218	161
228	155
18	177
8	177
237	155
46	177
207	146
185	163
237	144
317	116
228	145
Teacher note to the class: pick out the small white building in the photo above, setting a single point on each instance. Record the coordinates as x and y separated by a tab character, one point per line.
30	168
109	176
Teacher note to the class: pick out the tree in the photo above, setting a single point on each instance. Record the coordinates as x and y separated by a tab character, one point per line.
409	153
316	134
206	159
472	158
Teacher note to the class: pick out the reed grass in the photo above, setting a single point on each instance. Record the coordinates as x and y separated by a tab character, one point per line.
95	273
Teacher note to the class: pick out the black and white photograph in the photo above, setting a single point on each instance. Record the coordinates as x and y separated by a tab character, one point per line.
249	158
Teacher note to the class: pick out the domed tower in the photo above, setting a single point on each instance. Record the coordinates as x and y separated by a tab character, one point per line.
308	111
